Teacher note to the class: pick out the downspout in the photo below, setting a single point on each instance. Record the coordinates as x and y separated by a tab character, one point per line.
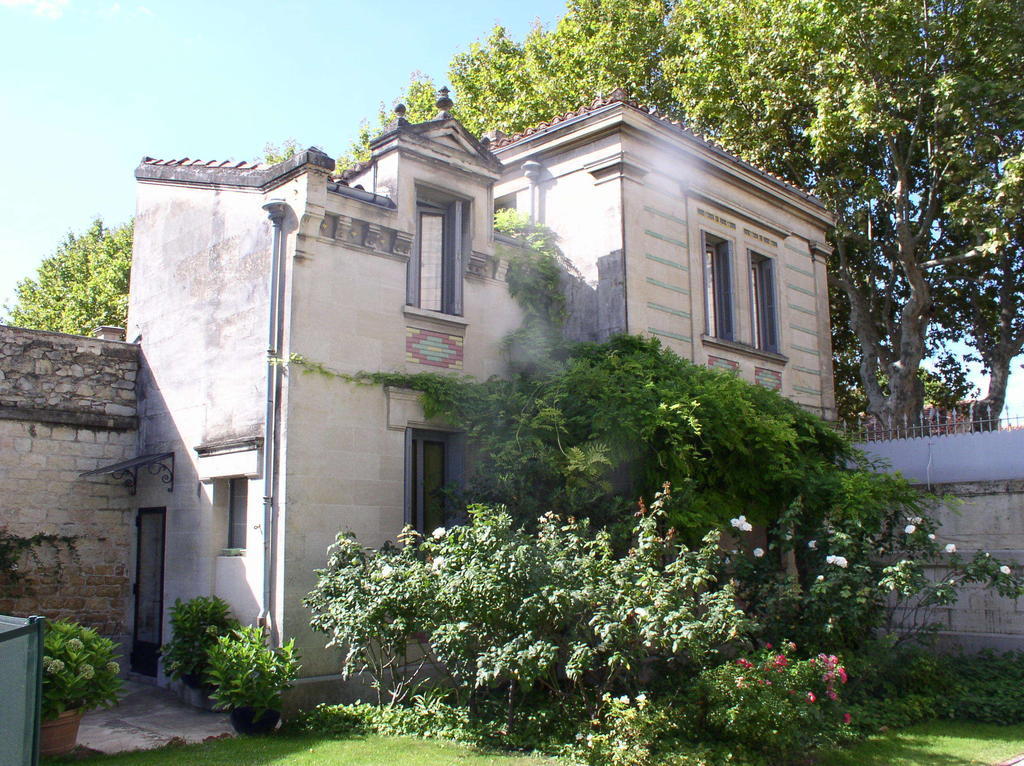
276	210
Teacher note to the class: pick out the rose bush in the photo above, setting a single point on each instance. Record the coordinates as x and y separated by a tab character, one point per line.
775	704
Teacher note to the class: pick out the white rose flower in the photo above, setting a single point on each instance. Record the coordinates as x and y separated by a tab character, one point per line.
438	563
931	536
910	529
812	544
438	533
758	552
741	523
951	548
387	570
839	561
821	578
1004	569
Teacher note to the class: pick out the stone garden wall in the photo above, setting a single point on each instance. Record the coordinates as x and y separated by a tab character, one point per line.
983	474
67	405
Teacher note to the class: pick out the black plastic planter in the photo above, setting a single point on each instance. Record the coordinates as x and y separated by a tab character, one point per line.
244	722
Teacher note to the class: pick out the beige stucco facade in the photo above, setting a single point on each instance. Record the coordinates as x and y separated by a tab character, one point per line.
256	290
615	180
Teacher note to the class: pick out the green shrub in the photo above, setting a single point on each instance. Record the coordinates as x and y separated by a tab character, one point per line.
553	612
195	627
245	672
991	687
79	669
625	733
775	704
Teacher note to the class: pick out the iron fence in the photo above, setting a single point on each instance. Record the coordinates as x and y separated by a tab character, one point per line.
943	424
21	679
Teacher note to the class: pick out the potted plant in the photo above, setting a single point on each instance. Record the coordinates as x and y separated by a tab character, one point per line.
79	673
248	677
196	625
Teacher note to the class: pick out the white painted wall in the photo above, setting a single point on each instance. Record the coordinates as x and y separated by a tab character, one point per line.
983	456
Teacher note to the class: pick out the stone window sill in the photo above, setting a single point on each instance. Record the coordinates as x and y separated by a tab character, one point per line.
232	552
450	322
743	348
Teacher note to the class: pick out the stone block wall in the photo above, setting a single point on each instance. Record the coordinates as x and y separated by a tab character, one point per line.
987	516
67	405
67	378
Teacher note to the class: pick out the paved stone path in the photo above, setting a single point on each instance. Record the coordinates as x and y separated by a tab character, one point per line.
148	717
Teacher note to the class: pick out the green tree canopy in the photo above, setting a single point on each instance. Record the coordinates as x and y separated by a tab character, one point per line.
84	283
905	117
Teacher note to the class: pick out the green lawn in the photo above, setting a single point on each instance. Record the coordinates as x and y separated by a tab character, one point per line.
939	743
311	751
934	744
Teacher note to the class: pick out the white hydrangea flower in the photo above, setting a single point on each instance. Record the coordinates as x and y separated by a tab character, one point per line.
951	548
75	645
438	533
812	544
1004	569
910	529
758	552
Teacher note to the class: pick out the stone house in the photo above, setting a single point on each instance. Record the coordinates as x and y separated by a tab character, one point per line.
394	266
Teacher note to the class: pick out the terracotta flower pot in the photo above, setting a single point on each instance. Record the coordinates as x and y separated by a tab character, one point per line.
59	735
244	722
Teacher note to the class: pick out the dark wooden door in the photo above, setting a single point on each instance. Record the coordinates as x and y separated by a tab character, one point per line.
149	591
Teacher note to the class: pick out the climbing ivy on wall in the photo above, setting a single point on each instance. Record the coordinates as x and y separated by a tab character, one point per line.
15	549
588	429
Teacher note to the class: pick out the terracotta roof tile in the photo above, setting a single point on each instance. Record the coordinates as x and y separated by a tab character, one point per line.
188	162
619	96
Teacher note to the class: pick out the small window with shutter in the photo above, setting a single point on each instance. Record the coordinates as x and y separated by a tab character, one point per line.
764	315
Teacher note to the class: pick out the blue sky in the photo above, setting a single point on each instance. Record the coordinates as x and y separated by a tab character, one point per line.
89	87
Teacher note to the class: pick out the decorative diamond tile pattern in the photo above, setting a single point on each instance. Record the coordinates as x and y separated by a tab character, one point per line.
720	363
435	349
768	378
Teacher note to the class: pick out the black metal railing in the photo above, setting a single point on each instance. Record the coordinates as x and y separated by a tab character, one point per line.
931	424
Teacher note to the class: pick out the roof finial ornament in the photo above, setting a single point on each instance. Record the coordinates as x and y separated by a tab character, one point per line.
444	104
400	114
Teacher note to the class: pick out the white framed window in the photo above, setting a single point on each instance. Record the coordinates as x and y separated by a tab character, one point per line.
718	294
763	305
436	265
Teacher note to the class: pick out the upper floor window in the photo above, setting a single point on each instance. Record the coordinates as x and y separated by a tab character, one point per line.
436	265
765	330
717	262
